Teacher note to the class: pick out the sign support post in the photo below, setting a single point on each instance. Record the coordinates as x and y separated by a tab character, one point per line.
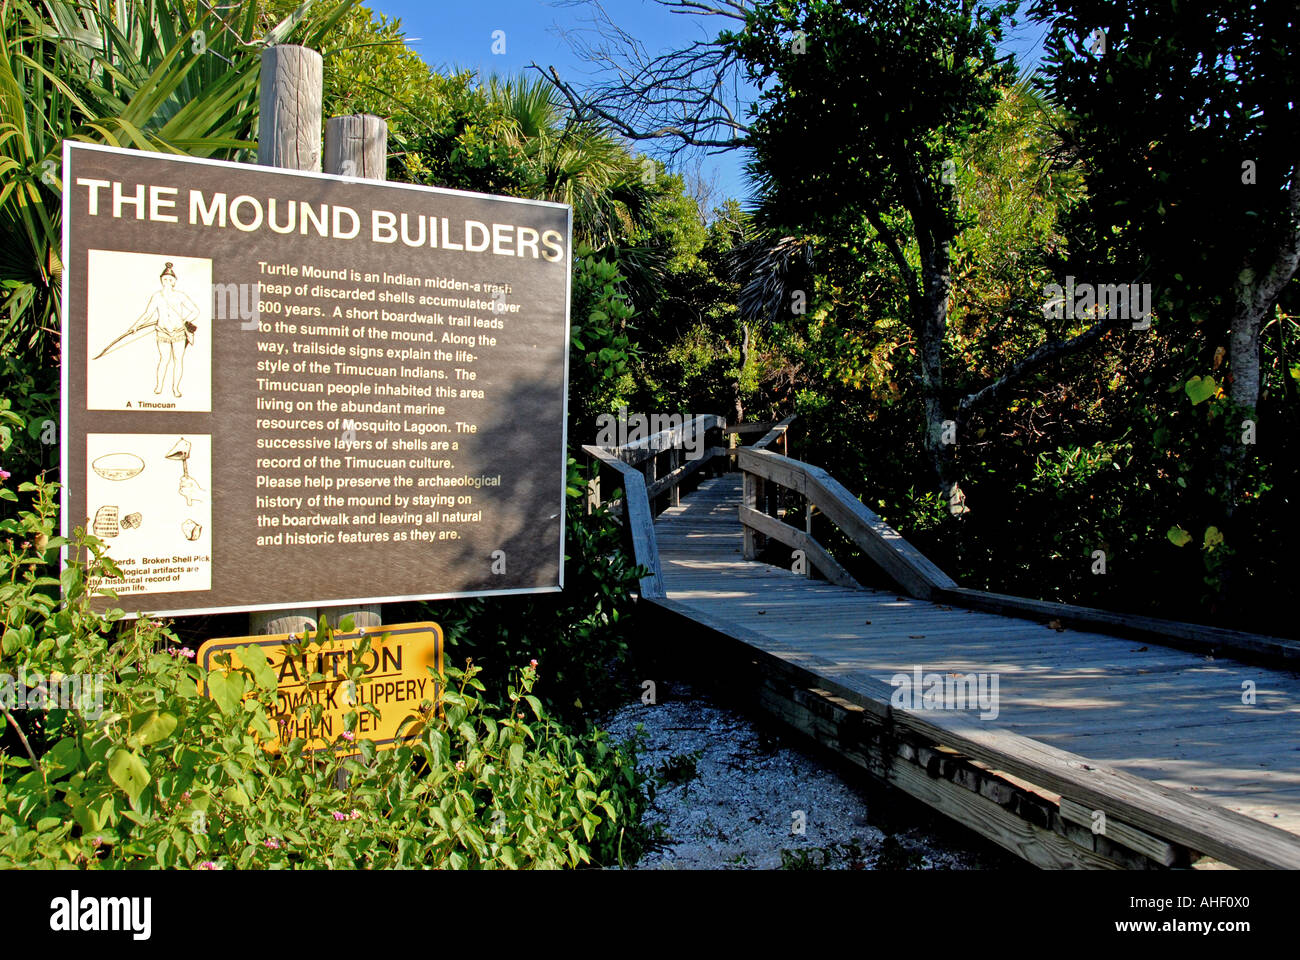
289	135
356	146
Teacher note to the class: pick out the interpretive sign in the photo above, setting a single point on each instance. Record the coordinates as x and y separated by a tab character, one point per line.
287	389
395	680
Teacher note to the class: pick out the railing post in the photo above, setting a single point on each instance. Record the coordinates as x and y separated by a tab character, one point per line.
593	489
808	528
674	461
749	497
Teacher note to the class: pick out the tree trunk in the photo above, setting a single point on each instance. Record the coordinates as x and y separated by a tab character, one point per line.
744	363
931	329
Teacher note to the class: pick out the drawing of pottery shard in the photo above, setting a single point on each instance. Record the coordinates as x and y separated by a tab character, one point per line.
180	450
191	530
106	522
118	466
131	521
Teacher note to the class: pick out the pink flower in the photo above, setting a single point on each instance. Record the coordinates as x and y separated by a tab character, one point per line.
97	843
185	796
5	474
340	816
272	843
356	814
185	652
349	736
460	764
208	865
533	664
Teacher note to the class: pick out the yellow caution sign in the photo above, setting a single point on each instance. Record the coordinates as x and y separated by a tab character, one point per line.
394	680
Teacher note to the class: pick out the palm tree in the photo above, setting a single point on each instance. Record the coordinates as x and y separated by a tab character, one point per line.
178	78
575	163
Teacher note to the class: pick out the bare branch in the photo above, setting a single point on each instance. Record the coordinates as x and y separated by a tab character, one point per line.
1034	360
684	99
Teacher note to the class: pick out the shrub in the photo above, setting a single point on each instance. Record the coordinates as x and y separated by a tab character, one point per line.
164	776
578	635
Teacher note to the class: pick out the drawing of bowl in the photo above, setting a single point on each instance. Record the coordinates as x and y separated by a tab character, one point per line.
118	466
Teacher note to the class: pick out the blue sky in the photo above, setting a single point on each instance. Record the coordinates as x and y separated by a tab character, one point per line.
459	33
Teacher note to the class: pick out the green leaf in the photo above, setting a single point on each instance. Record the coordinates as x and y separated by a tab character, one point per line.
1179	537
1200	389
1213	539
227	689
235	795
254	657
157	726
128	771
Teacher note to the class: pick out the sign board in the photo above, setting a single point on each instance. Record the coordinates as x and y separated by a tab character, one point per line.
396	679
286	389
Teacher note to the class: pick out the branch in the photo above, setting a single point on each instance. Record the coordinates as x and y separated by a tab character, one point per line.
585	110
686	98
23	737
1037	358
1288	256
895	251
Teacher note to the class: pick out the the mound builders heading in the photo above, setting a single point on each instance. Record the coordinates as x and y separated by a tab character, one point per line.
165	203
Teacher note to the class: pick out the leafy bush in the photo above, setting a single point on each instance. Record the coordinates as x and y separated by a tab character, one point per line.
578	635
164	776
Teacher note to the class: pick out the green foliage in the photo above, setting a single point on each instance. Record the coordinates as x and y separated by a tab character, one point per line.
129	74
163	776
603	355
578	636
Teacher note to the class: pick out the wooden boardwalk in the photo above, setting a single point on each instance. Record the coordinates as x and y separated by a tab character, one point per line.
1156	738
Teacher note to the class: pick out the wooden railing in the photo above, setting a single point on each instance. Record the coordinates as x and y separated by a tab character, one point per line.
764	469
918	576
651	471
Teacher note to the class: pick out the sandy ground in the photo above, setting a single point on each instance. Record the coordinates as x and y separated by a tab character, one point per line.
727	794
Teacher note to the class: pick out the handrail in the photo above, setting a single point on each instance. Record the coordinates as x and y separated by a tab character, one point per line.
921	578
640	522
639	450
906	565
778	431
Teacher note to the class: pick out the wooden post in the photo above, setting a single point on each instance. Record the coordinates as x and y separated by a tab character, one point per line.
356	146
288	125
807	526
288	135
749	497
674	461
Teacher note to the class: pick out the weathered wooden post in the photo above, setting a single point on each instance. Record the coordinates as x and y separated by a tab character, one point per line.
288	135
749	498
356	146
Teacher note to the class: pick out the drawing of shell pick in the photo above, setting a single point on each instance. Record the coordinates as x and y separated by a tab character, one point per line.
191	530
190	490
106	522
118	466
189	487
131	521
